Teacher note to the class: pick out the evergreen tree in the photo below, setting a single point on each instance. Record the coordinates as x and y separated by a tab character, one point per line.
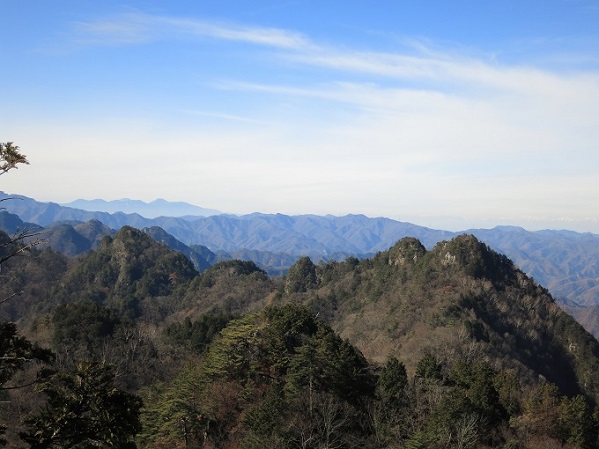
301	276
429	368
10	157
84	410
576	423
391	384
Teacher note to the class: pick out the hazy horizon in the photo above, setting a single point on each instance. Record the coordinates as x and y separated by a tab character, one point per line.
444	223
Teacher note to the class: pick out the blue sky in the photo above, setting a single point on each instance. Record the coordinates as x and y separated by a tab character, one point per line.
447	114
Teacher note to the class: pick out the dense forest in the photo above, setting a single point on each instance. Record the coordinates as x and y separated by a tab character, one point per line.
130	345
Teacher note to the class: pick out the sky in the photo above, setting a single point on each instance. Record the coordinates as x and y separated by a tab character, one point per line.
448	114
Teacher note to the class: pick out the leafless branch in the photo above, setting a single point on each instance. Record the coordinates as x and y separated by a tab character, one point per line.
10	297
16	387
21	237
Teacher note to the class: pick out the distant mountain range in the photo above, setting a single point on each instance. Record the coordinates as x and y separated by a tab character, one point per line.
565	262
154	209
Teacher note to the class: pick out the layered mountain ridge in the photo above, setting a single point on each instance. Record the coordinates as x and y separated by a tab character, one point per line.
566	262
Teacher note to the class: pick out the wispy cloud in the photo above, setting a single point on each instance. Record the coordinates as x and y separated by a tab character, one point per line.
420	63
136	28
224	116
464	131
127	29
465	99
272	37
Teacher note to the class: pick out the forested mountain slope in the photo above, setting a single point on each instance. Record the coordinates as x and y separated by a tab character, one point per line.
448	347
129	273
460	299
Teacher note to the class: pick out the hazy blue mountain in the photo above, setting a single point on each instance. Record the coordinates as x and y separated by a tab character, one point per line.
65	239
44	214
153	209
73	238
316	236
94	231
12	224
565	262
273	263
196	257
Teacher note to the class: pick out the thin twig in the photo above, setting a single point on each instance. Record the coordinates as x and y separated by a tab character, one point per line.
11	297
